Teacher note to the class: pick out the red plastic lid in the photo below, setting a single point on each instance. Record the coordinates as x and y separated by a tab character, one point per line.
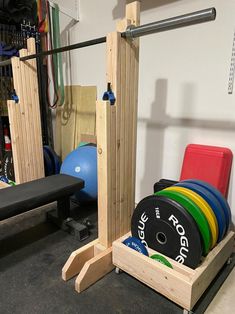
208	163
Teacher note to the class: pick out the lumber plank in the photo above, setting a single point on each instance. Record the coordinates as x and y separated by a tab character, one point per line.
115	73
20	112
123	143
35	113
181	284
94	269
207	271
33	109
169	282
104	149
128	139
183	269
123	156
27	103
116	145
122	72
16	139
77	260
133	17
129	90
113	76
98	248
25	119
135	56
133	12
113	227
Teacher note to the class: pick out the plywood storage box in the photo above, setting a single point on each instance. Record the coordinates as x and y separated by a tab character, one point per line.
181	284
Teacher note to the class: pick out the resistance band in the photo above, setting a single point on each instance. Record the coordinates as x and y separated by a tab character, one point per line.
57	58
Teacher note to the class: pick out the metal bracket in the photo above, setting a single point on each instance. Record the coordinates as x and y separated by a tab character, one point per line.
109	95
128	32
14	97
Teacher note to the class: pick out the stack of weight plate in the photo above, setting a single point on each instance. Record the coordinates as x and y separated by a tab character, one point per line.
184	221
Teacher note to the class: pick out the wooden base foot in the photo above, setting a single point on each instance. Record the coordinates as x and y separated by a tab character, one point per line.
91	262
94	269
77	260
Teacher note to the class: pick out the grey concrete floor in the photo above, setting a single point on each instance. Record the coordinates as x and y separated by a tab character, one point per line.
224	301
30	280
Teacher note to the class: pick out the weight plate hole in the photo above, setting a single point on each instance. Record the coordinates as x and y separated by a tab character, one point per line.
161	238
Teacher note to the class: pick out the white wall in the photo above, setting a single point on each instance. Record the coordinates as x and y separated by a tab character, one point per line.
183	81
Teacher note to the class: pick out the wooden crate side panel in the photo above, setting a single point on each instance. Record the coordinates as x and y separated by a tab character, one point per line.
162	279
180	268
210	267
184	270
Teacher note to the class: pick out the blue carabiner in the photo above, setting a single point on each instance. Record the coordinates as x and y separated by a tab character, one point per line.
14	97
109	95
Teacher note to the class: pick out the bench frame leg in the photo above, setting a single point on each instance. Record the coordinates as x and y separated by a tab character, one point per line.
61	217
63	208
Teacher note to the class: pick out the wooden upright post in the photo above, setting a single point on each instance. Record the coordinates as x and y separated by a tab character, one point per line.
25	120
116	147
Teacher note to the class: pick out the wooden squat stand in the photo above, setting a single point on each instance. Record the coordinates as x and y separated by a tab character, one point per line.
116	146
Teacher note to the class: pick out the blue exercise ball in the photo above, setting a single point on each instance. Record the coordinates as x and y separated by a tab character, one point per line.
82	163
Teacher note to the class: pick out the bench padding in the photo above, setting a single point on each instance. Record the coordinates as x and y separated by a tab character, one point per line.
23	197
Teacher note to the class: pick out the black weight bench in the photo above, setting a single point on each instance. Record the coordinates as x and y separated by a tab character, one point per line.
26	196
